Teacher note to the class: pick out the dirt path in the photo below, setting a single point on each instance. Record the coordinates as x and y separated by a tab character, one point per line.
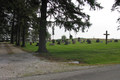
17	63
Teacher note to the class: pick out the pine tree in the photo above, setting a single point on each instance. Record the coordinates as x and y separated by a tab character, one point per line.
116	6
66	14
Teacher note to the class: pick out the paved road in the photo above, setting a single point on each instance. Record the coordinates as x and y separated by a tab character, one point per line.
101	73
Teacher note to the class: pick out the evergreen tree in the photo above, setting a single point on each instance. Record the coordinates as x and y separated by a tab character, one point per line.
115	7
66	14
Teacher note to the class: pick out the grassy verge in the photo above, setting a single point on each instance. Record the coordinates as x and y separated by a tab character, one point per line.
95	53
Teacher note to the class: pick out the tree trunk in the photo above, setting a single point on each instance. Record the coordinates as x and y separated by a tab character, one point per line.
16	34
19	36
18	31
23	35
42	28
12	32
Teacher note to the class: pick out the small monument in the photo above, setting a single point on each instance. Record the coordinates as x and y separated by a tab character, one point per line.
37	44
66	42
115	40
110	40
106	36
73	42
58	42
53	41
88	41
98	40
78	39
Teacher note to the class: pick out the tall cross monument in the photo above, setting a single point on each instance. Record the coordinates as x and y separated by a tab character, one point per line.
106	36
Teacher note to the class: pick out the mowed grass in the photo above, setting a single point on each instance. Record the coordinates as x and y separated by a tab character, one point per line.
95	53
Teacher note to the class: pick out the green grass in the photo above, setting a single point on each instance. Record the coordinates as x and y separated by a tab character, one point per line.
95	53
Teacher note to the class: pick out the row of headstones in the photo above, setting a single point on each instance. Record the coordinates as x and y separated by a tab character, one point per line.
66	42
73	41
98	40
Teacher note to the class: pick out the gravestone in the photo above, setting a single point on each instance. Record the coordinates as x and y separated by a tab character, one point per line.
106	36
81	42
79	39
37	44
110	40
52	44
58	42
69	42
30	43
53	41
88	41
73	42
115	40
98	40
66	42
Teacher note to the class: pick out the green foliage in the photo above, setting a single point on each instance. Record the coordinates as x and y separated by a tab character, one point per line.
70	15
95	53
116	6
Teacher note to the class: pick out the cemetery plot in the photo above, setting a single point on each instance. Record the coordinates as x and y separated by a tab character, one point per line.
95	53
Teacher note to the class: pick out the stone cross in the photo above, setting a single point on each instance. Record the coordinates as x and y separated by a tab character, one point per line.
106	36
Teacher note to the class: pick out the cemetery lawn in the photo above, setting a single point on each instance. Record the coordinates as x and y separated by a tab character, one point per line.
95	53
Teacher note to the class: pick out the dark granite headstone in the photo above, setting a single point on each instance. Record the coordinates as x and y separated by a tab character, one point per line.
115	40
66	42
52	44
73	42
110	40
37	44
98	40
81	42
58	42
30	43
53	41
88	41
78	39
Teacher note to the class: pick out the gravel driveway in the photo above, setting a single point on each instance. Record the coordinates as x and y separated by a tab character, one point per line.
17	63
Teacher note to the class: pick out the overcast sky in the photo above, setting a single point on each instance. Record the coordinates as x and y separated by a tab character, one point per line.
101	20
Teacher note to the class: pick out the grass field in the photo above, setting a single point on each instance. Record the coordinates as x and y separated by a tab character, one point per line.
95	53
